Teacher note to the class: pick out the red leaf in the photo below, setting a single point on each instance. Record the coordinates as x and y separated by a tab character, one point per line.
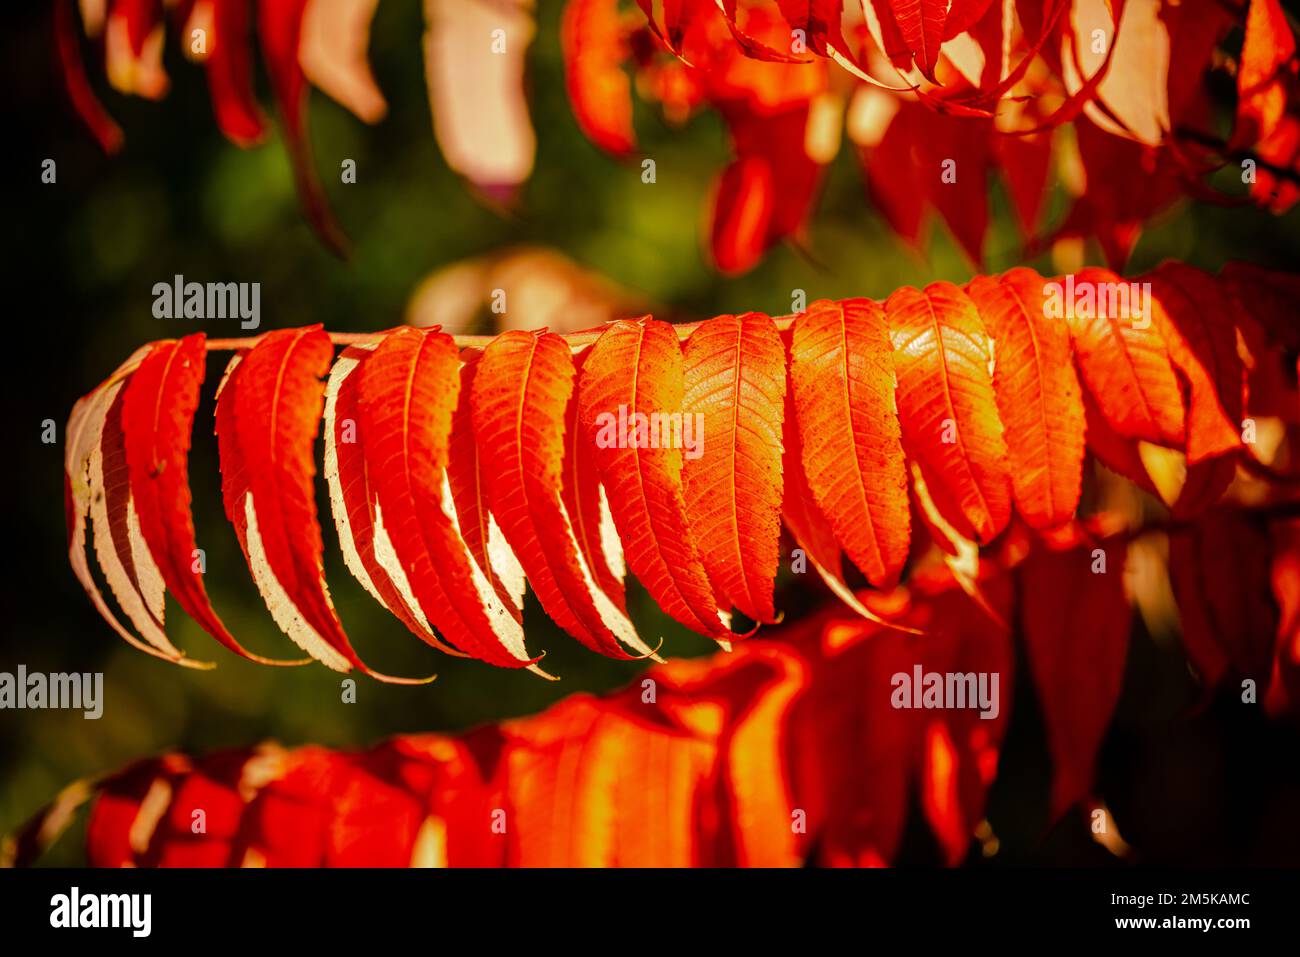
1026	163
962	746
202	821
287	824
157	418
894	177
962	15
125	560
1269	297
268	414
1117	453
818	19
1199	326
1076	620
1126	183
921	23
767	194
1219	570
853	754
929	160
1284	686
955	157
67	48
279	24
374	823
408	393
863	736
742	214
362	539
127	809
230	74
750	45
95	417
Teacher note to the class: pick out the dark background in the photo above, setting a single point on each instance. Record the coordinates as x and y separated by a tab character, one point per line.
1212	786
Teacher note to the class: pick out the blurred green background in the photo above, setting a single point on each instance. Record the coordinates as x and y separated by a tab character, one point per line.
83	255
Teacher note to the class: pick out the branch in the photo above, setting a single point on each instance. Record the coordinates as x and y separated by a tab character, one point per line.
1219	145
576	340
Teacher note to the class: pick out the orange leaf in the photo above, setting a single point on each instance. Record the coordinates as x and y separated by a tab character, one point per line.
1038	395
962	744
947	406
561	774
469	493
810	528
629	397
588	506
1267	91
521	391
1119	454
591	37
735	386
842	379
755	689
1122	357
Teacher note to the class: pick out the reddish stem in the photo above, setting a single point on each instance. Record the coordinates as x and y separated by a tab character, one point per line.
575	339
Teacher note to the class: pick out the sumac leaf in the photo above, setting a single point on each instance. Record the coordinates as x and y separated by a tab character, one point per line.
735	387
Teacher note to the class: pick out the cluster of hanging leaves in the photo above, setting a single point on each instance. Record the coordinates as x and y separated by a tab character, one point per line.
938	97
873	430
474	66
788	750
